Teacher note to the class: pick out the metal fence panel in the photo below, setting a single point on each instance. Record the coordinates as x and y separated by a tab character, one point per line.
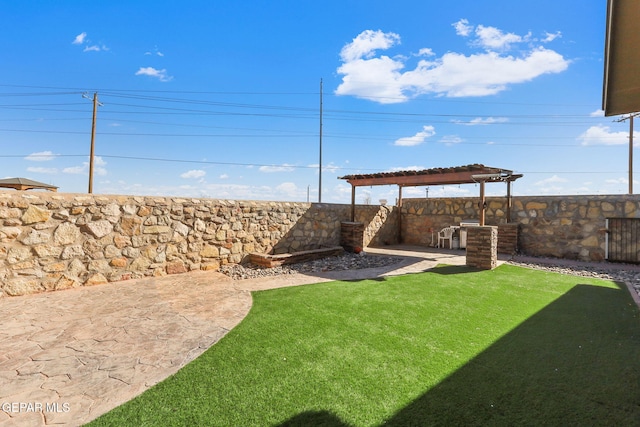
623	236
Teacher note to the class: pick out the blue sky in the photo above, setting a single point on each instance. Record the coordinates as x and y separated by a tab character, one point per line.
222	99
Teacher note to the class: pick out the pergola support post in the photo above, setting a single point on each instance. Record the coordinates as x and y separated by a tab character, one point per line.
481	204
399	213
353	203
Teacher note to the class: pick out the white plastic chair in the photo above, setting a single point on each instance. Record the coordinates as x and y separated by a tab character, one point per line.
446	234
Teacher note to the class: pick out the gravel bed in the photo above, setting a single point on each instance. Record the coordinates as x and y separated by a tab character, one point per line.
351	261
347	261
631	277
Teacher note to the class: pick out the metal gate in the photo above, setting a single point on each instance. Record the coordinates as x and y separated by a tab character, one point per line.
623	239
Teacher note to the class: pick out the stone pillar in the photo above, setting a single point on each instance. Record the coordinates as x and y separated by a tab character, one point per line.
351	235
508	238
482	247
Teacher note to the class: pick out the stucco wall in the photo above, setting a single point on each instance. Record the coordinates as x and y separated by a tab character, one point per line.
52	241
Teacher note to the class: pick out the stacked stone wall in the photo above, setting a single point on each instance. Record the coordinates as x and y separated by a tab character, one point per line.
571	227
51	241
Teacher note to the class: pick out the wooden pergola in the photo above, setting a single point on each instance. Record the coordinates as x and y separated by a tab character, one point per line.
26	184
470	174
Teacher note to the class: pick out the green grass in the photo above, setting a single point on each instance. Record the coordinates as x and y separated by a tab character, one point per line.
511	346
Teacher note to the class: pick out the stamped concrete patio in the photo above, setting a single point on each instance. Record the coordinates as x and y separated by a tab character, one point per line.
67	357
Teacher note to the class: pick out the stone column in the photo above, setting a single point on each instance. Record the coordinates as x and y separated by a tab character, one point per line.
482	247
508	238
352	235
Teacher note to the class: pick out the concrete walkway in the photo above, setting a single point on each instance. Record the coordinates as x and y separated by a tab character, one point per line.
67	357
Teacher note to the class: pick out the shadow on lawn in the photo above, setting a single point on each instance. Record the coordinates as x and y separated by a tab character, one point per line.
575	362
314	418
452	269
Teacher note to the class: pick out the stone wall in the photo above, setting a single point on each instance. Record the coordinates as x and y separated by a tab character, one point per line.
51	241
571	227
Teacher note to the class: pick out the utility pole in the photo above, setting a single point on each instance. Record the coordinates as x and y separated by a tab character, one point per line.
630	117
320	167
93	137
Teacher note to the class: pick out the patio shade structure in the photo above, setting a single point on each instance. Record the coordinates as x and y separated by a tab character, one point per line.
26	184
470	174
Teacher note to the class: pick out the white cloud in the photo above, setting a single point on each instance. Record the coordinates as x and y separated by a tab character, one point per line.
549	37
381	78
41	156
418	138
451	139
463	28
82	39
406	168
482	121
194	173
555	179
425	51
602	135
152	72
366	43
224	176
331	167
155	52
98	168
79	38
50	171
75	170
493	38
94	48
282	168
288	189
597	113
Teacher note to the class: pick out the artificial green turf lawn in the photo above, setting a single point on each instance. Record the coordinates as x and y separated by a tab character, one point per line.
452	346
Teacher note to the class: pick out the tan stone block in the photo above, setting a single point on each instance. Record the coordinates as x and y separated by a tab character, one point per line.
100	228
130	225
591	241
176	267
35	214
593	213
536	205
77	210
213	265
144	211
121	241
18	254
96	279
10	213
65	282
31	263
55	267
36	237
21	286
66	234
210	251
630	208
156	229
607	207
118	262
10	233
140	264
